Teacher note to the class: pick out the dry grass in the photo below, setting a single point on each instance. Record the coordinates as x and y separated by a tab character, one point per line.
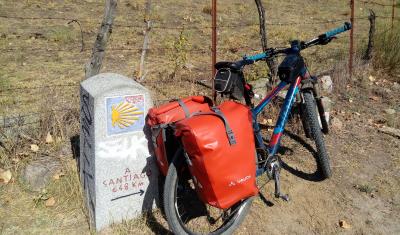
387	52
24	212
152	223
38	62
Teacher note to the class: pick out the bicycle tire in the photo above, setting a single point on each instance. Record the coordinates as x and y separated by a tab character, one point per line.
304	123
175	181
322	118
310	117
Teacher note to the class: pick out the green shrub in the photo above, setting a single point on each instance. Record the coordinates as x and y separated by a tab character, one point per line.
61	34
387	51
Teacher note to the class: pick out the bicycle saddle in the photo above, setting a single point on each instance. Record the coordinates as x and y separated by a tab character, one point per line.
227	64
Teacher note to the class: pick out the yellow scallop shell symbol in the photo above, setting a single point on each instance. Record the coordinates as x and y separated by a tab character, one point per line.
124	115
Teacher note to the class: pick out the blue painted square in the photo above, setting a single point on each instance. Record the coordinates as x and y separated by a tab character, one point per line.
125	114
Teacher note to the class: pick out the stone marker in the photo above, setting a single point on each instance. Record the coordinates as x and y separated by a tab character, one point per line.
118	174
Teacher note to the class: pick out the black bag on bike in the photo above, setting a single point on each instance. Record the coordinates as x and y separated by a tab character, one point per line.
229	82
290	68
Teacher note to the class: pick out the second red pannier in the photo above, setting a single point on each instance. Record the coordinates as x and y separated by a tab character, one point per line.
161	119
219	150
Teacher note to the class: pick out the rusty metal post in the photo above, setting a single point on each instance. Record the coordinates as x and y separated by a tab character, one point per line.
393	6
214	44
351	39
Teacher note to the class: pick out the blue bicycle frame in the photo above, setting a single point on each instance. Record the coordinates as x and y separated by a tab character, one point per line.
274	142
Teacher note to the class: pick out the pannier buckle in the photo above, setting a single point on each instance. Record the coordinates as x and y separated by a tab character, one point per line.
231	137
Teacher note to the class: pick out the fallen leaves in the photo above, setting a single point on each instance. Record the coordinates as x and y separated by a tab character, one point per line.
50	202
57	176
265	121
371	79
34	148
5	176
344	224
49	138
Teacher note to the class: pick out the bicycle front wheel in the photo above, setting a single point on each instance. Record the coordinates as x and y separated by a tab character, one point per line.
187	214
309	116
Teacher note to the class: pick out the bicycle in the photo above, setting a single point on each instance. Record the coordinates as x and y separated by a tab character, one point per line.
179	193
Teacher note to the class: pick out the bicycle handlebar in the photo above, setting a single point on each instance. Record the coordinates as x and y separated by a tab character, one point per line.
338	30
320	40
257	57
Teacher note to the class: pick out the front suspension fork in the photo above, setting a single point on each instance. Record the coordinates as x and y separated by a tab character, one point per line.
310	85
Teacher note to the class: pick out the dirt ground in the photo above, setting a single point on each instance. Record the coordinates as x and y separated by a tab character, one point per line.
41	66
363	188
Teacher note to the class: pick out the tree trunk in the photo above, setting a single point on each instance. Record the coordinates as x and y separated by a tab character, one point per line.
100	44
370	47
264	44
142	73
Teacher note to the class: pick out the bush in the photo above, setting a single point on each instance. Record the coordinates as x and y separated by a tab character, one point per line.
62	34
387	51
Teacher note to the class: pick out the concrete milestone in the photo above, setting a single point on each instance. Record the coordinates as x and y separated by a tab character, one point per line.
118	174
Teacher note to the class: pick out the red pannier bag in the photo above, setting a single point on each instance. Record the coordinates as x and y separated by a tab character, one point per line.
220	152
161	120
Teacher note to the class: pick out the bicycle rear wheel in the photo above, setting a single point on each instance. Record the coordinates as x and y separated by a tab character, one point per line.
187	214
309	116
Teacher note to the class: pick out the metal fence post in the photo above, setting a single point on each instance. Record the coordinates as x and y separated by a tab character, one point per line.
351	38
393	6
214	44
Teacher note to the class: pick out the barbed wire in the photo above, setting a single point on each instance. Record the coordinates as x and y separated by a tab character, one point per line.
157	49
38	87
155	26
234	49
18	88
184	27
90	49
377	3
388	17
19	116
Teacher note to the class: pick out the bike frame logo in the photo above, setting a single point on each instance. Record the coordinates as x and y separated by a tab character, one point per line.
125	114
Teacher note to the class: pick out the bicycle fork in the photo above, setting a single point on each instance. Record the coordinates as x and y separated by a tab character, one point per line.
310	85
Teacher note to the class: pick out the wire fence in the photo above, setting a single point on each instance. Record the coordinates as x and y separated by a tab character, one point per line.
28	119
165	49
376	3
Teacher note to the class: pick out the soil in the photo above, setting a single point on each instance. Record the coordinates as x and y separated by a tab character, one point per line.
42	66
363	190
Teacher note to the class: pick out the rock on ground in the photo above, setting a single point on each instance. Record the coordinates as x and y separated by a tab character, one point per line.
326	83
38	172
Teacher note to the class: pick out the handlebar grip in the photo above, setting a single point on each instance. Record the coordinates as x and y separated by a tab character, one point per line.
256	57
336	31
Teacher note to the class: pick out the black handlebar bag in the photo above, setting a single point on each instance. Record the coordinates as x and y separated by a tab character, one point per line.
291	68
